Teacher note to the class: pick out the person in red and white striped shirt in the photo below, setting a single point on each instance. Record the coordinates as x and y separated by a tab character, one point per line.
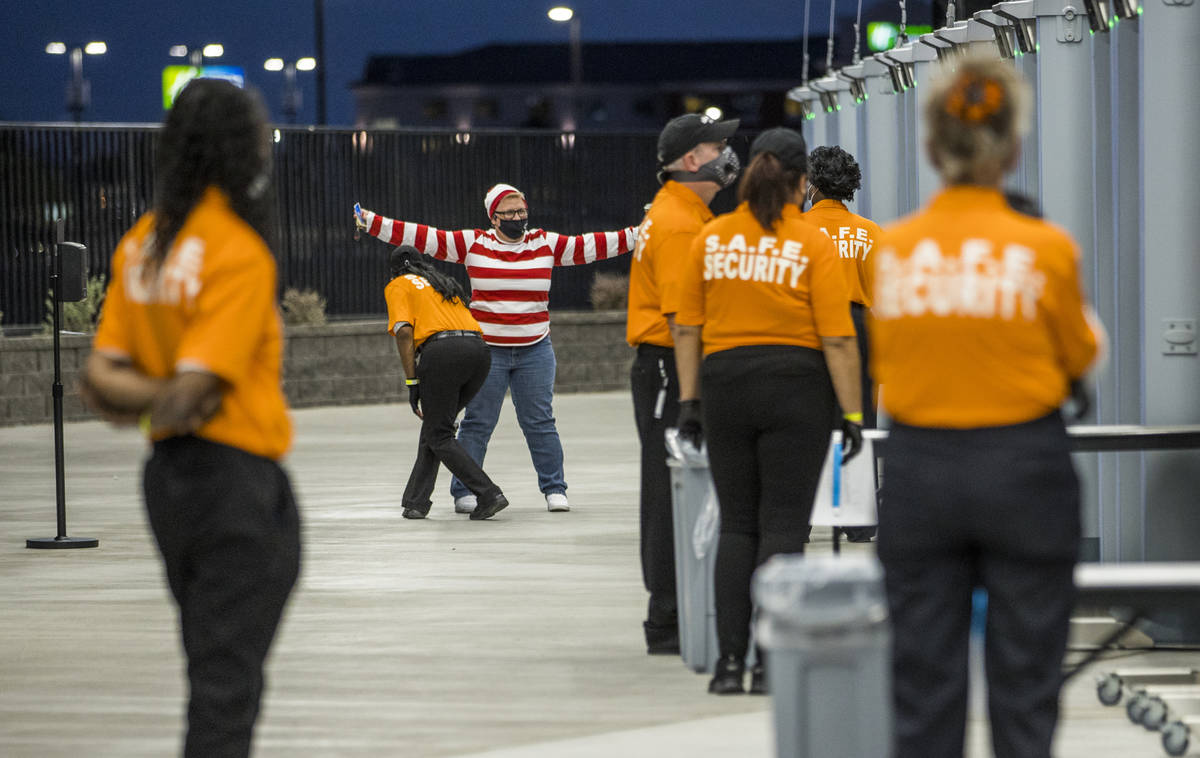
509	266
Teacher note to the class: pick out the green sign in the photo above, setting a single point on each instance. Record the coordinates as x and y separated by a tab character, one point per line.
883	35
175	78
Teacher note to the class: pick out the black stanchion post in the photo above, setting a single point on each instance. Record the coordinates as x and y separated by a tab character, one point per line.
61	540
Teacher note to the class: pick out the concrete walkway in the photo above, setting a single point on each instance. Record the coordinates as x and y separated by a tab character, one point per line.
519	636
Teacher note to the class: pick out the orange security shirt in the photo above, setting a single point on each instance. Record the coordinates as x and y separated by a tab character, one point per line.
747	286
412	300
664	239
211	307
978	316
854	237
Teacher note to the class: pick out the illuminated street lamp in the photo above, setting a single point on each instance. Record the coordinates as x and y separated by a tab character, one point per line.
197	54
561	13
291	93
79	90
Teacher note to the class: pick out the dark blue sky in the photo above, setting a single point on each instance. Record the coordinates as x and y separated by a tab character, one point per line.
126	83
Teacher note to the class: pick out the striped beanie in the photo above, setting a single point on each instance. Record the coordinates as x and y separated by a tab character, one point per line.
498	193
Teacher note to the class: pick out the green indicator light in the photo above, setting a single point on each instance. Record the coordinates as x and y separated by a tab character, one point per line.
1139	10
1037	48
1092	32
866	97
839	108
1112	22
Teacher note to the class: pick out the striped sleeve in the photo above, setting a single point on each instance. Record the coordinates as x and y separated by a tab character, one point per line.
579	249
438	243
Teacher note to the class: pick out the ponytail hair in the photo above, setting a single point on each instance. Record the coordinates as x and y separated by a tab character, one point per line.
767	186
406	259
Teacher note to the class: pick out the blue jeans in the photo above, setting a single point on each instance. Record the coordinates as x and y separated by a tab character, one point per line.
529	373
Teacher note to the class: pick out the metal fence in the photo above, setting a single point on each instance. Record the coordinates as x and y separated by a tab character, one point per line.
100	178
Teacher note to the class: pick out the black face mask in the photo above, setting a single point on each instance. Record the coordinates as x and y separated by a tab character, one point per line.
723	170
514	228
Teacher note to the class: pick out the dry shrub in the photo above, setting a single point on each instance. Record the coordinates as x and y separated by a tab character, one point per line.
610	292
303	307
80	316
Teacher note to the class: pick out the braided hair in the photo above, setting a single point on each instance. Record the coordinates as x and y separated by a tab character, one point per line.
406	259
214	136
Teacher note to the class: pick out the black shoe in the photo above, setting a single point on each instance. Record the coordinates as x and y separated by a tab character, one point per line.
728	678
758	680
661	639
417	511
859	533
489	507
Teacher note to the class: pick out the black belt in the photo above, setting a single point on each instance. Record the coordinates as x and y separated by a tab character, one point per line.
655	351
450	333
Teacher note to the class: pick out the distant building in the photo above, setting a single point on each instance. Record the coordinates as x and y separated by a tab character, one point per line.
628	85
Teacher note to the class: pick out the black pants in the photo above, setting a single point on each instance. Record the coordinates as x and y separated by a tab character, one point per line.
859	314
229	533
451	371
768	412
997	508
655	408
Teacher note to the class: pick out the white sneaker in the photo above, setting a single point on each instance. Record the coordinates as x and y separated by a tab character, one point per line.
556	502
465	504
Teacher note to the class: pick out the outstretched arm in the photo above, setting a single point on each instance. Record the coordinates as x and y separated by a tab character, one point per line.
438	243
576	250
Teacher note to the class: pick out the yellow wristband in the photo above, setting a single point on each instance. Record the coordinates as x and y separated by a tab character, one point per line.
855	417
411	382
144	423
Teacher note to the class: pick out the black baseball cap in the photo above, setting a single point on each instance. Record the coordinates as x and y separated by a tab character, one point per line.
785	144
682	133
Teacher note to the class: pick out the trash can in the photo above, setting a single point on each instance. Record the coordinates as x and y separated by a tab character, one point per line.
696	524
822	621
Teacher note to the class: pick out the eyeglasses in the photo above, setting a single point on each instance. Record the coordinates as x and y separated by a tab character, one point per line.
510	215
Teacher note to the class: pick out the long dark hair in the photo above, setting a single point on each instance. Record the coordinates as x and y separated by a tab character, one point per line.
214	136
406	259
767	186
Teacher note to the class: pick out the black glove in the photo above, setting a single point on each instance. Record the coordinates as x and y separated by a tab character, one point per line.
851	439
1081	401
414	397
691	424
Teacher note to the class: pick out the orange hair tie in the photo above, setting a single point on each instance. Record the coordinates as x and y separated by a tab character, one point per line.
974	99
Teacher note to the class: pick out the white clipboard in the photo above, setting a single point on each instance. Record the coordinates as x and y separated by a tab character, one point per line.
853	485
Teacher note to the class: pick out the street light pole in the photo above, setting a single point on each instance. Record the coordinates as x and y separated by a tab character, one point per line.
291	91
576	54
77	92
319	23
562	13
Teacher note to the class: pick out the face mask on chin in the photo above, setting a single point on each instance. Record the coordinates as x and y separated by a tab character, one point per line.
514	228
